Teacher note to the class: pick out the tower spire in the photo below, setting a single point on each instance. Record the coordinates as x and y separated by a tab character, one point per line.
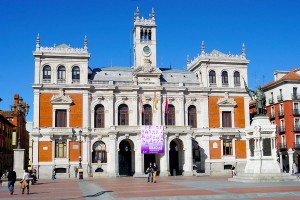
243	51
85	43
203	48
153	14
137	14
188	60
37	45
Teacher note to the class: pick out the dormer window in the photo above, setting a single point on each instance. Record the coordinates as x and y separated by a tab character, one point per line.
46	73
61	74
76	74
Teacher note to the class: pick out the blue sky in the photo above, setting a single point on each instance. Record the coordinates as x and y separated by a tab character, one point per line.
270	30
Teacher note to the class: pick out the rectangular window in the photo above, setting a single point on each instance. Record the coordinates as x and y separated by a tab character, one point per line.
60	118
60	148
227	147
226	119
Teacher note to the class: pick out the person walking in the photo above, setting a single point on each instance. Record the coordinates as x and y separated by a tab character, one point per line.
53	175
26	177
11	179
233	171
294	168
154	172
149	171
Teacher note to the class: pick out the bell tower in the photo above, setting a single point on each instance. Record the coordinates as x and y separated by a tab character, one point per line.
144	34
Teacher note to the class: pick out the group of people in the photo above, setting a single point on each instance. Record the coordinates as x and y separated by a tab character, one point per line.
152	172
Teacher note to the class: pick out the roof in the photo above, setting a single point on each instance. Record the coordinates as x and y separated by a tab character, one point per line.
290	76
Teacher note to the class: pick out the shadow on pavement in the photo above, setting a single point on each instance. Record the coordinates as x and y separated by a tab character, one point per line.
97	194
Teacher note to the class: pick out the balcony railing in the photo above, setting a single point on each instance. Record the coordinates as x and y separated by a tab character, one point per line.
296	112
297	145
282	145
297	128
281	129
61	80
271	100
295	96
225	85
272	115
281	113
279	98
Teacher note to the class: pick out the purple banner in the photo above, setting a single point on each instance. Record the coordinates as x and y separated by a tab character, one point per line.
152	138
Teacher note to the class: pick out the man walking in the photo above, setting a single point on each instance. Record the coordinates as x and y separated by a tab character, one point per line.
11	179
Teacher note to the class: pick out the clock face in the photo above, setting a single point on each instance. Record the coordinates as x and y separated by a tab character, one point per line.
146	50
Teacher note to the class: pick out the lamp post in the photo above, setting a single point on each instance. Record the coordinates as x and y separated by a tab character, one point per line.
22	110
80	165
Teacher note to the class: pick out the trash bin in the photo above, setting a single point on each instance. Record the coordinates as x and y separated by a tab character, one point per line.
80	172
174	172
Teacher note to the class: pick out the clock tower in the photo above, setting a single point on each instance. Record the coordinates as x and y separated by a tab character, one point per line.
144	34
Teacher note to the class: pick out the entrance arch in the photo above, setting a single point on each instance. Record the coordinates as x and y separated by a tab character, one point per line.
126	158
176	157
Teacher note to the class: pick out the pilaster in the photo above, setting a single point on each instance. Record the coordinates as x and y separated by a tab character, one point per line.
291	159
188	155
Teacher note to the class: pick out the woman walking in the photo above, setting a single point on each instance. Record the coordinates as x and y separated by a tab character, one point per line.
26	177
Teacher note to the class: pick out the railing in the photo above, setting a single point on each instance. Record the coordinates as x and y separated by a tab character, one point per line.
271	101
295	96
225	85
61	80
297	145
272	115
279	98
46	80
296	112
75	80
237	85
282	146
281	129
297	128
212	84
281	113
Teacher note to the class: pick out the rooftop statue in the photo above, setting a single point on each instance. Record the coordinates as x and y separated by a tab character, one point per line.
259	96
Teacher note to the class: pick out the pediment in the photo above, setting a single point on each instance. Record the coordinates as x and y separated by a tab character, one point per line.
226	102
146	70
61	99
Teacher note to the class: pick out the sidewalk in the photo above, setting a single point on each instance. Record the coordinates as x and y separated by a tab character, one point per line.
167	188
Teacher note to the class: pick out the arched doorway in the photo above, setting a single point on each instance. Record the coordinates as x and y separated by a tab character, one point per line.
125	158
148	158
175	157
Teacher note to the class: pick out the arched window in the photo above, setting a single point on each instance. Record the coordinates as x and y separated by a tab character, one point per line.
123	115
75	73
192	116
212	77
236	78
225	78
99	152
47	72
61	73
147	115
170	118
99	116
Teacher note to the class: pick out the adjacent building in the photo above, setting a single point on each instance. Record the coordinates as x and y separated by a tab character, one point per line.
93	118
283	99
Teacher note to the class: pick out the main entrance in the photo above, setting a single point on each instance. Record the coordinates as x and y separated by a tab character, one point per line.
125	158
175	157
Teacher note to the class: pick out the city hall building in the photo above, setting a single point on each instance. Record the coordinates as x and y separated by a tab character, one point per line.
93	118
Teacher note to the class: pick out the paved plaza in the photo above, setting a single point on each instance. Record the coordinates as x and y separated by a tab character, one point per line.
205	187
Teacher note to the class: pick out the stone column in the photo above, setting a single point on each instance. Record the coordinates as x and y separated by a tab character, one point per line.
164	169
188	156
85	109
139	158
281	164
291	159
113	156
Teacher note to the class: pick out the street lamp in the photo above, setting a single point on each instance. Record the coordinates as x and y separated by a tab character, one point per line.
22	110
80	166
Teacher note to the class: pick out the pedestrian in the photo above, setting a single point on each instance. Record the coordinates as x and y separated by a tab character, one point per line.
233	171
294	168
4	175
11	179
53	175
149	171
25	183
154	172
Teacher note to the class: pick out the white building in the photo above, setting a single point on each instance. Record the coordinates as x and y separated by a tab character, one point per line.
204	128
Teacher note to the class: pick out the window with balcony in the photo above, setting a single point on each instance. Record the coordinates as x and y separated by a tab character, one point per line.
61	74
47	73
294	94
75	74
280	97
281	110
212	77
297	142
297	124
272	113
226	119
123	115
192	116
99	152
224	78
227	147
170	118
61	148
271	100
60	118
99	116
147	115
296	108
236	78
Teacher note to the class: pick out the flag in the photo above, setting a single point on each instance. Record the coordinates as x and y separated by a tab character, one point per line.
167	106
141	105
155	102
